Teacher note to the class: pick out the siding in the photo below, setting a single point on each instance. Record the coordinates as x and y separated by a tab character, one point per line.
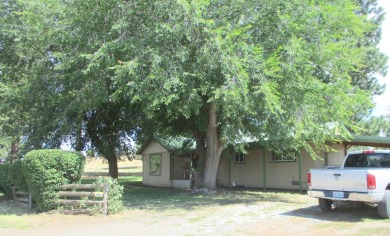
249	174
278	174
336	158
160	180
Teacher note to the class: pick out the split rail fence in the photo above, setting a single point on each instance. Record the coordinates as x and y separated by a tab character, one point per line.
78	196
22	197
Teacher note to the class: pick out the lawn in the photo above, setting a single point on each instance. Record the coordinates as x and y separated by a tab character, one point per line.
167	211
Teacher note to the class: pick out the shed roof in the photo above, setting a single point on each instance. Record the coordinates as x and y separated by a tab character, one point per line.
171	144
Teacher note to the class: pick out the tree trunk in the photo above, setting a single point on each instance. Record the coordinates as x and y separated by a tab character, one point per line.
79	139
214	150
198	171
112	166
14	153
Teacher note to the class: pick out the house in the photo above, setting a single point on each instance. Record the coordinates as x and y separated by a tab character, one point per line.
168	163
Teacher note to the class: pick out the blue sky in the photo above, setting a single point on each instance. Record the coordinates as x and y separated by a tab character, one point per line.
383	102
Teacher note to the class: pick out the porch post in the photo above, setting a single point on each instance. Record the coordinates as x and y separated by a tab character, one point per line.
300	172
229	174
264	174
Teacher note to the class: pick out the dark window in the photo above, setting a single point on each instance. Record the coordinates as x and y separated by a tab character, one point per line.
376	160
155	164
239	158
285	156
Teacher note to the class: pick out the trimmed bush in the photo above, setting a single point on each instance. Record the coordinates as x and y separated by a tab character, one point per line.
17	176
5	182
115	192
46	170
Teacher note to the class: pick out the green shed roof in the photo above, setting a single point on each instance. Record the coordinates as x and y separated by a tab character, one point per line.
371	141
172	144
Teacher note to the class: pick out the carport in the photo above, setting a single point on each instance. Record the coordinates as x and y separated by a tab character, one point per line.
367	141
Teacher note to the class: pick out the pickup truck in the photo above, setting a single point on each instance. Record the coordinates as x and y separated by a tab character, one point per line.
363	177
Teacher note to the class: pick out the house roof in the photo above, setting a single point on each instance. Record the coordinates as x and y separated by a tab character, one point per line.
371	141
175	144
171	144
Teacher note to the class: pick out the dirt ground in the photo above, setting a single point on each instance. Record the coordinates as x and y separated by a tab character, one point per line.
301	217
240	219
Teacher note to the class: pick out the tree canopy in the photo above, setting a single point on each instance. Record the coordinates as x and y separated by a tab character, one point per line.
289	74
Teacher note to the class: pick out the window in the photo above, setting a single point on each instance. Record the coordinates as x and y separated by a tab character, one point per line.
285	156
155	164
239	158
368	160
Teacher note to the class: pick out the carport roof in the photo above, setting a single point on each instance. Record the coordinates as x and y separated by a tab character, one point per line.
371	141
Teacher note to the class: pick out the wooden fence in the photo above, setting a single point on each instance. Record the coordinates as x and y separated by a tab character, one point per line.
22	197
72	196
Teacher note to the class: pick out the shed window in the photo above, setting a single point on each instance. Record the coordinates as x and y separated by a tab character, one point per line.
155	164
239	158
285	156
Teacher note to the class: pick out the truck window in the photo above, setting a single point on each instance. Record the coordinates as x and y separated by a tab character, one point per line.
376	160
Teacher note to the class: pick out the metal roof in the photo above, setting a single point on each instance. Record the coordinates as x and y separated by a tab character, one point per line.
171	144
370	141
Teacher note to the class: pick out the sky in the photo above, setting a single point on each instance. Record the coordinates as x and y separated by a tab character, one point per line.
383	102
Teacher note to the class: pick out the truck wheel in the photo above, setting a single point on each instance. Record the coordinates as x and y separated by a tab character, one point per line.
384	206
325	204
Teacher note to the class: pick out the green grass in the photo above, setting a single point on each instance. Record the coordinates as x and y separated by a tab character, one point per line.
177	202
14	216
137	196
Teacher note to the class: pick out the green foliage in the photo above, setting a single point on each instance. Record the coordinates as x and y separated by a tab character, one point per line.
115	192
376	126
17	176
47	170
287	73
5	181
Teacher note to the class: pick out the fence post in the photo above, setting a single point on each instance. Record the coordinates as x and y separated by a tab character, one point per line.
14	192
30	200
105	199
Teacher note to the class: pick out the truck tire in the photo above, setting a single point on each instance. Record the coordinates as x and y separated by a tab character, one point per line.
384	206
325	204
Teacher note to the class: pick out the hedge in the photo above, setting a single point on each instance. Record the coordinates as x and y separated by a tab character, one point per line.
5	181
115	192
17	177
46	170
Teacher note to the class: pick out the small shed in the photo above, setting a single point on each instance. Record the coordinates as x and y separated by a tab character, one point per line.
167	162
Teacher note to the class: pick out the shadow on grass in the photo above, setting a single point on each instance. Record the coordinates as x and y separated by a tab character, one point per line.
124	168
137	196
105	173
8	207
345	212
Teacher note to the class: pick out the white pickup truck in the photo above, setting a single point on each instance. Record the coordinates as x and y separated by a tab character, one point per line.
363	177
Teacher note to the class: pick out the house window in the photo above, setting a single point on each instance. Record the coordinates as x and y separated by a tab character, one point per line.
155	164
239	158
285	156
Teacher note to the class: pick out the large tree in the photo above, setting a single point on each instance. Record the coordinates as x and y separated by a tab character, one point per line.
224	72
233	71
68	95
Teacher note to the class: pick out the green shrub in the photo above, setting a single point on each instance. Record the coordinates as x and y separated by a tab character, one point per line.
17	177
46	170
115	192
5	182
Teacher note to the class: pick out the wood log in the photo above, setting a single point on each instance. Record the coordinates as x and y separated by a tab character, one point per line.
81	194
21	199
79	202
82	186
20	193
77	212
